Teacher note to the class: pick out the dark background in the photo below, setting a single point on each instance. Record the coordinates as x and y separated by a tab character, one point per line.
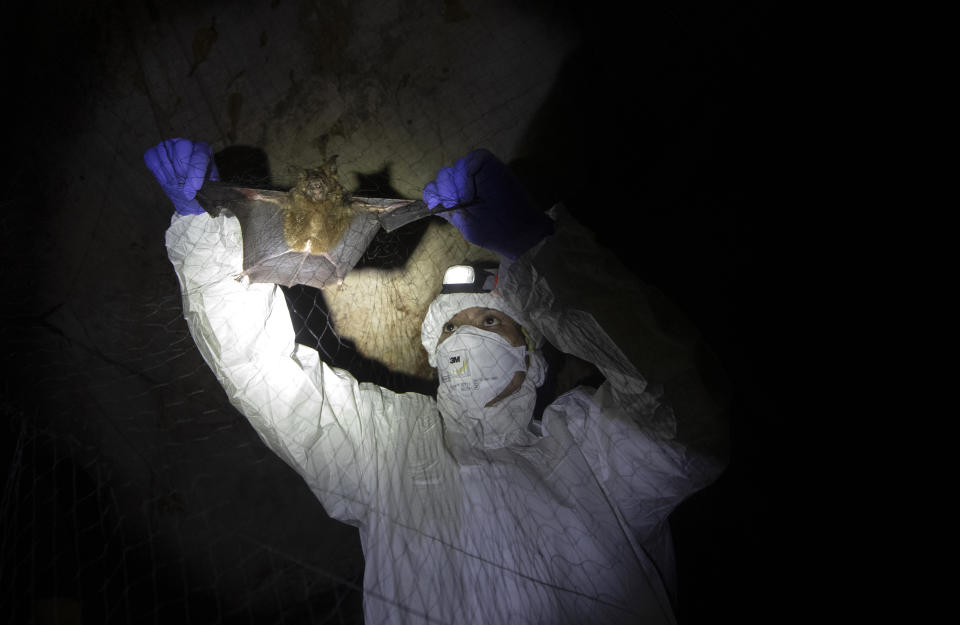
675	107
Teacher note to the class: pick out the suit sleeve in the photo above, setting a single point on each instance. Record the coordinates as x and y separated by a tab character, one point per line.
332	430
658	370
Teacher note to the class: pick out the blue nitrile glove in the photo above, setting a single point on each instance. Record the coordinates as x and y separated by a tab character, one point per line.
181	167
497	213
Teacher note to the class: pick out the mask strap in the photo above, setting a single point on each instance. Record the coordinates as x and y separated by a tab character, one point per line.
531	346
546	392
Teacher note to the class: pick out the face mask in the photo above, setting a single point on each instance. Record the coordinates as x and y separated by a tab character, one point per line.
475	365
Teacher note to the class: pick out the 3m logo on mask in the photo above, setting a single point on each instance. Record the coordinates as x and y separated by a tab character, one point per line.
476	364
458	364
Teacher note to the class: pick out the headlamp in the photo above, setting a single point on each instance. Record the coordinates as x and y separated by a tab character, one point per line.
475	278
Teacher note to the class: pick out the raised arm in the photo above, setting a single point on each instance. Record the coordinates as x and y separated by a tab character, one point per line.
318	419
584	302
658	370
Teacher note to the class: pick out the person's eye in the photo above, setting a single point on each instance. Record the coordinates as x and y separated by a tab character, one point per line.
449	327
491	321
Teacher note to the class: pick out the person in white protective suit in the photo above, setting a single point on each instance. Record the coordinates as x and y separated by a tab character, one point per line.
473	507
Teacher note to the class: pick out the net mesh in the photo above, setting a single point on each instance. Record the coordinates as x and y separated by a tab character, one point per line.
135	492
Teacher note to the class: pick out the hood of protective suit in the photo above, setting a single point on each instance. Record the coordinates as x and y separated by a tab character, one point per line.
446	306
467	421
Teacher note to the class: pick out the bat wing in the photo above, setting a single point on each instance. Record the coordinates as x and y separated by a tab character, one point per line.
267	256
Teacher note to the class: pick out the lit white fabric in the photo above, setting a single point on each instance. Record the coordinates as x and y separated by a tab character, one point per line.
568	527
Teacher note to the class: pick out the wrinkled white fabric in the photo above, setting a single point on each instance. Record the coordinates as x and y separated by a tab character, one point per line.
443	307
567	527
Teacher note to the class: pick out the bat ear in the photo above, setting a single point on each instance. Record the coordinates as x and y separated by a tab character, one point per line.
331	164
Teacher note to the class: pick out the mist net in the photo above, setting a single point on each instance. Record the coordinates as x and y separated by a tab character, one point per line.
189	446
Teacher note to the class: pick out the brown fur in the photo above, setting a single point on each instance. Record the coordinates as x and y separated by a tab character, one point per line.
319	213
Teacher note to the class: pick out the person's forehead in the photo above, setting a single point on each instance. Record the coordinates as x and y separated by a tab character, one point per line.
478	311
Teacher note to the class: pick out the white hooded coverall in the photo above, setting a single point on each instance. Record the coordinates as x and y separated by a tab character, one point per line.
566	526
